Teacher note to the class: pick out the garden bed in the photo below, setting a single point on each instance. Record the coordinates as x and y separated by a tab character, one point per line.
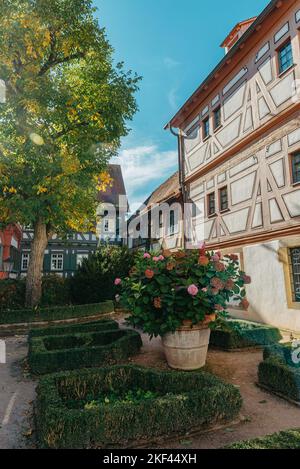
83	350
289	439
22	316
96	326
236	335
277	375
119	405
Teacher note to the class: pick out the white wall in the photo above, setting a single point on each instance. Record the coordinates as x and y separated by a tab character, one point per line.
267	293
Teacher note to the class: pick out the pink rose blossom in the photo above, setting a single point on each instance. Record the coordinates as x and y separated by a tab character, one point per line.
215	258
193	290
147	255
161	258
247	279
205	290
118	281
156	259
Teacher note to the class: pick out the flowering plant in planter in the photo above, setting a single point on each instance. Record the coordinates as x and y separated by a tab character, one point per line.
166	291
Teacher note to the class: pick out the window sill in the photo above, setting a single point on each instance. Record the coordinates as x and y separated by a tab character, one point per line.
218	128
225	211
206	138
295	184
213	215
281	74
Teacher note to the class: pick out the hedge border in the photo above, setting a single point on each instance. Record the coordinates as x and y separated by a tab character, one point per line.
289	439
202	399
234	340
277	376
42	361
54	313
96	326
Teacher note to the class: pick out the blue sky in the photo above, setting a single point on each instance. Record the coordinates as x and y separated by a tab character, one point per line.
173	45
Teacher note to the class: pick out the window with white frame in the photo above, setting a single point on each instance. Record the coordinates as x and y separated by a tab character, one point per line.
80	258
25	260
57	261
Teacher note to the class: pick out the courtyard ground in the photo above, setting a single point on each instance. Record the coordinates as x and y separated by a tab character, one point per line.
262	413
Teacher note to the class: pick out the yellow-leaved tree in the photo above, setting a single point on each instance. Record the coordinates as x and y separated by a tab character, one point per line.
65	108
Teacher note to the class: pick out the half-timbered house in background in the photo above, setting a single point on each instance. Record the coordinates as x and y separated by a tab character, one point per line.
64	255
240	155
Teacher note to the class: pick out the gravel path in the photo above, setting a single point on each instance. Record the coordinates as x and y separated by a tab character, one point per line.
263	413
16	396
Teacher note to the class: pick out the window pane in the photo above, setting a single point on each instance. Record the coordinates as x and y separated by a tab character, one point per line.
295	257
206	129
296	167
285	56
223	199
217	118
211	204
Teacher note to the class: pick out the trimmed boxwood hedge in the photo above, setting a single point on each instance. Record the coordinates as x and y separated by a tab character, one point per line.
83	350
289	439
55	313
276	374
230	335
187	401
96	326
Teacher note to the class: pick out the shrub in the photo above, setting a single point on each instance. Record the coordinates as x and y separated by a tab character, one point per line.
12	294
275	374
97	274
83	350
55	292
54	313
96	326
185	402
165	290
289	439
230	335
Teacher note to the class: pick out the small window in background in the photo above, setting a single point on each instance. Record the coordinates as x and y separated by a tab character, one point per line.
211	202
160	219
296	168
25	261
57	262
223	199
172	222
217	118
285	57
206	129
295	259
80	258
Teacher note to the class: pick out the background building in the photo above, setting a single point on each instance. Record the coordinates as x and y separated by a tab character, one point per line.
64	255
165	203
10	248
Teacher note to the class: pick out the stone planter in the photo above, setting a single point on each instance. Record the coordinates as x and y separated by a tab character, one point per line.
187	348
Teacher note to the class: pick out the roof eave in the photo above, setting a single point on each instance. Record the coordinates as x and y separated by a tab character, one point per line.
269	8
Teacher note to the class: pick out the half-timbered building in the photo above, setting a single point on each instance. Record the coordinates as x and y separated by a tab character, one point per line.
239	151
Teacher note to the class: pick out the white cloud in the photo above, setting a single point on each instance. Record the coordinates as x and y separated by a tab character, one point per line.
170	63
144	169
172	98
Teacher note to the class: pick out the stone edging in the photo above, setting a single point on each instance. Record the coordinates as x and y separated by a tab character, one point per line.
21	328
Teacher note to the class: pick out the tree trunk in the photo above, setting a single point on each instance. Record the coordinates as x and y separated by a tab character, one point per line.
35	268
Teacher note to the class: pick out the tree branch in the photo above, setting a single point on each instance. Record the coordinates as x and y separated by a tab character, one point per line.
52	63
